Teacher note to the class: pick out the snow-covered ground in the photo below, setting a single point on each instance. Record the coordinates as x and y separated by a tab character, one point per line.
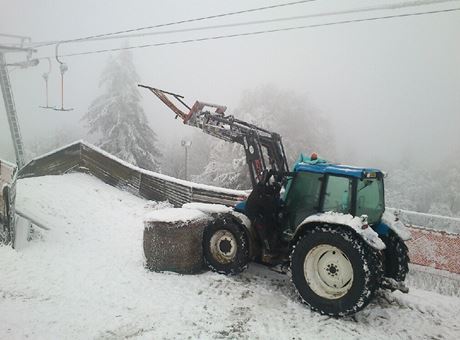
85	278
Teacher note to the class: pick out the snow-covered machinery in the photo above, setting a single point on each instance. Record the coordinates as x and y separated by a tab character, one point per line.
325	222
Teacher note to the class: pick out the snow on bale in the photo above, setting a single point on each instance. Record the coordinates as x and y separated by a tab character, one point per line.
208	208
173	240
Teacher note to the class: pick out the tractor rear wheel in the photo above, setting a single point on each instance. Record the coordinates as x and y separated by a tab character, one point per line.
396	255
225	247
334	270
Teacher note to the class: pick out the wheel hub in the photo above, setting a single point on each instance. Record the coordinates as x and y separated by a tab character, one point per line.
328	271
332	269
223	246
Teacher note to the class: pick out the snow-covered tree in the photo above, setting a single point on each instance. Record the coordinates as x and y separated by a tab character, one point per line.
227	167
292	116
434	190
287	113
118	118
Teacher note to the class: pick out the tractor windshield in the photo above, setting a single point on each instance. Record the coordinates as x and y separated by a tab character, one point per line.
370	200
337	196
302	199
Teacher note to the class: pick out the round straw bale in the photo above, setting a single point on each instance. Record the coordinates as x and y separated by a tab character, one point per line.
173	240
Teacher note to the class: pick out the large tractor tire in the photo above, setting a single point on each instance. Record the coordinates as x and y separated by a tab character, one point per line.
396	257
335	272
225	247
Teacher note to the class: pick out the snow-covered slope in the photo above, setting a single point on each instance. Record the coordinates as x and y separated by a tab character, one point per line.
85	278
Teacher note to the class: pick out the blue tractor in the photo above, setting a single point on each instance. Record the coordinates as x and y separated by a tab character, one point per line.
325	222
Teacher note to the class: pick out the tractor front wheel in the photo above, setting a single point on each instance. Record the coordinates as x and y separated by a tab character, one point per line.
225	247
334	270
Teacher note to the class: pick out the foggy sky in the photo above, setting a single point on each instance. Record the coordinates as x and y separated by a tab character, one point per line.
391	89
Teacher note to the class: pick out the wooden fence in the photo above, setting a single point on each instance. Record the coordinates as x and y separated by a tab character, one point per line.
84	157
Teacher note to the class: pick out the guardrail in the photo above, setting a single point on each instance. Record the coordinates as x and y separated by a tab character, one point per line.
429	221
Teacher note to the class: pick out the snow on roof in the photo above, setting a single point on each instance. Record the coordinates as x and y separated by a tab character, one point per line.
323	167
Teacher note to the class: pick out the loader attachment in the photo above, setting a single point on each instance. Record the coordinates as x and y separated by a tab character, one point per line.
264	149
196	109
163	96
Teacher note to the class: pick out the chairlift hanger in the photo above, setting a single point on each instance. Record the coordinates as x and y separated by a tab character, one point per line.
63	68
46	77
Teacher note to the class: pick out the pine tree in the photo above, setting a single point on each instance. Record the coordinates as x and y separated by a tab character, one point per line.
118	118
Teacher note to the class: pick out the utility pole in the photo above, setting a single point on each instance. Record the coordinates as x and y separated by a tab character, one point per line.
8	99
186	144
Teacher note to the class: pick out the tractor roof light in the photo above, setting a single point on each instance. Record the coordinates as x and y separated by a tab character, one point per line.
370	174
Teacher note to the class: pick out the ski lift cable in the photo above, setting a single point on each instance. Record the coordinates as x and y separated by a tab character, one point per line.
264	21
253	33
215	16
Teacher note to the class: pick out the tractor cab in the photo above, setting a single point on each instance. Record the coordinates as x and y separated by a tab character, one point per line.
319	186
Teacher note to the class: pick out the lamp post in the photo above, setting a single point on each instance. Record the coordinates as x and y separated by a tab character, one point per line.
186	144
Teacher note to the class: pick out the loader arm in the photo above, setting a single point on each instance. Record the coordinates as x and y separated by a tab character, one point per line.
264	149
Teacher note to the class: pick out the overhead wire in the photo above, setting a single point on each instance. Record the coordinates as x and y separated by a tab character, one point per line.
215	16
253	33
393	6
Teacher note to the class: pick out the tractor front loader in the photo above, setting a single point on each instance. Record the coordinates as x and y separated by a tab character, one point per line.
326	222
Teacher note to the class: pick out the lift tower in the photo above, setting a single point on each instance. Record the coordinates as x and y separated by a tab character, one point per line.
9	101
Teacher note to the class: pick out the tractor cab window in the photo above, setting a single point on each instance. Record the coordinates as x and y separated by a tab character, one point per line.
337	196
370	199
303	197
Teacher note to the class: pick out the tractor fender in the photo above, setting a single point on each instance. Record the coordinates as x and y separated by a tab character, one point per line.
334	218
392	221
